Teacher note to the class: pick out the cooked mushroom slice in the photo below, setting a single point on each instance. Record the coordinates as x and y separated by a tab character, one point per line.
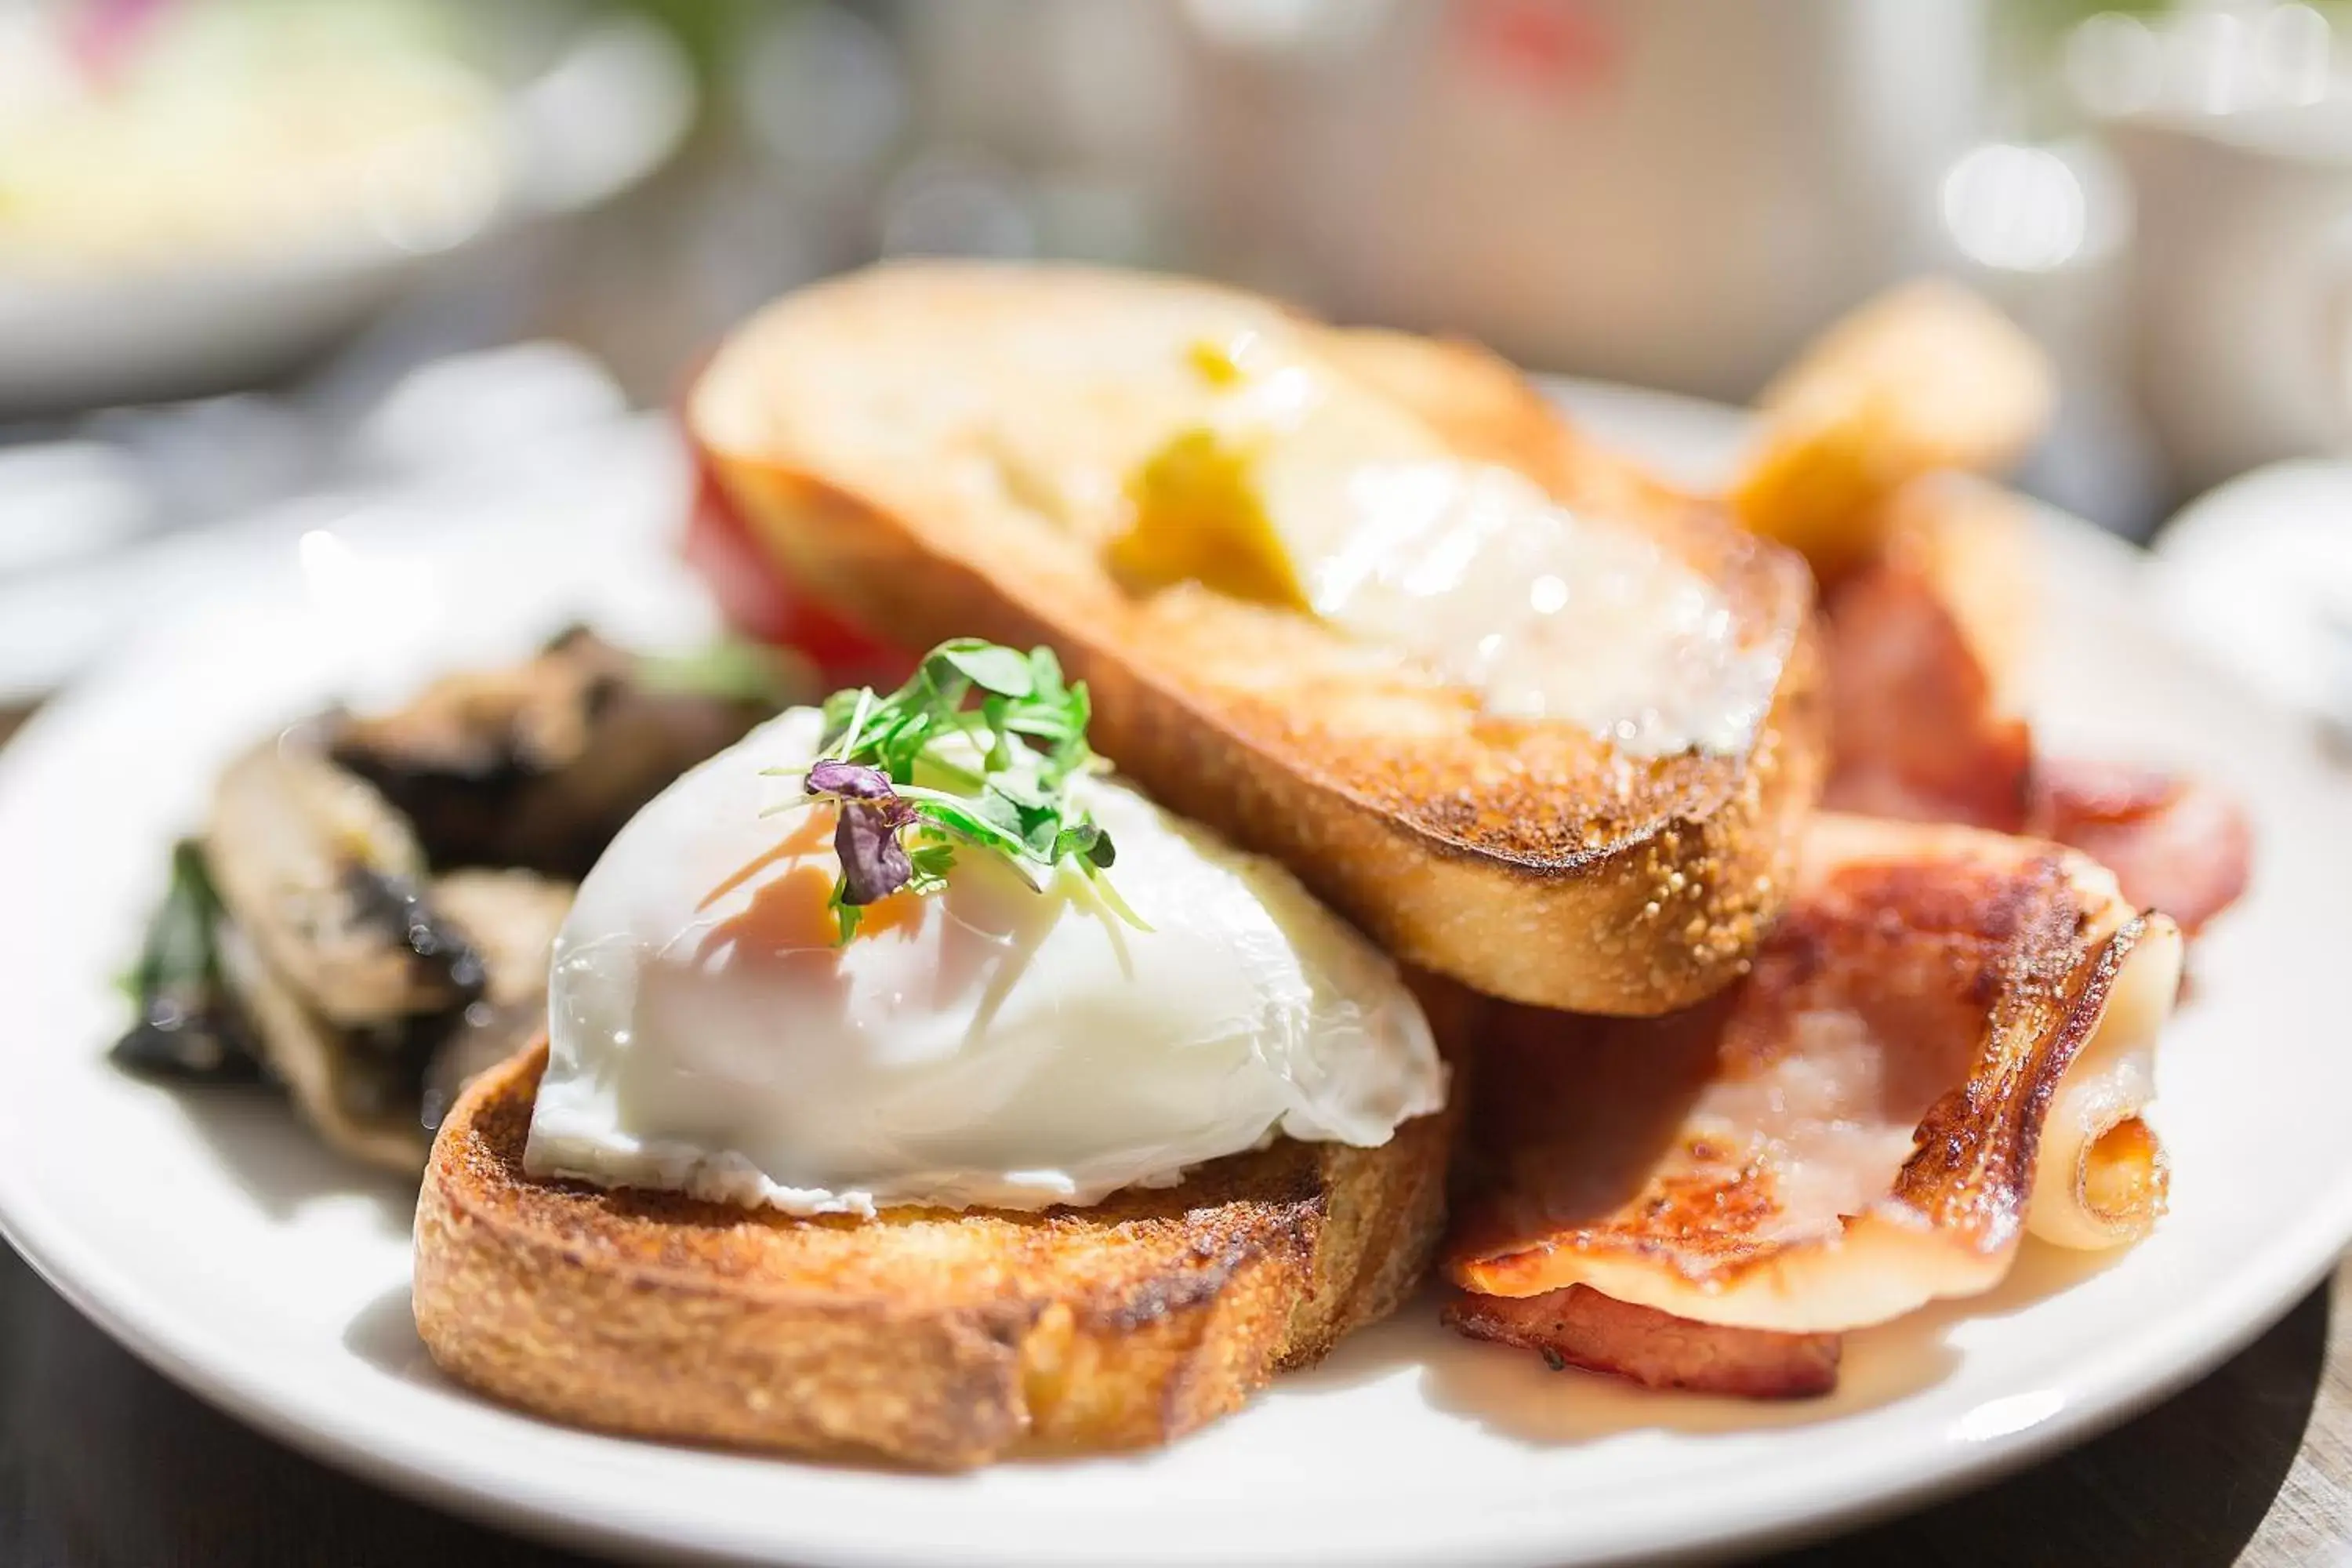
323	877
189	1025
512	918
538	764
347	1093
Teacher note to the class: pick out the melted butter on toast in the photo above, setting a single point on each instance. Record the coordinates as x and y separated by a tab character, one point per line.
1285	483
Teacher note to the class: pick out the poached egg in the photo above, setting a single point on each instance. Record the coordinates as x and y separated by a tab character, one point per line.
985	1045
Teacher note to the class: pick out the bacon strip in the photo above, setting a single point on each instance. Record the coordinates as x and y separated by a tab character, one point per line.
1946	1041
1581	1327
1925	647
1918	732
2174	844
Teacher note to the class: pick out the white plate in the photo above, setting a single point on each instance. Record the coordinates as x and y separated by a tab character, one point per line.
212	1238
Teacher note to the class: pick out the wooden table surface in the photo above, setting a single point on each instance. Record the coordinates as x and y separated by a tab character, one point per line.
104	1464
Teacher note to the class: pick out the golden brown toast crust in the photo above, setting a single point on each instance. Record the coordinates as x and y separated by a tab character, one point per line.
1529	860
924	1337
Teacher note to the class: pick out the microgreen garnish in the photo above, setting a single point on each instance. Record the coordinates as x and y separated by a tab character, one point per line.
979	749
730	670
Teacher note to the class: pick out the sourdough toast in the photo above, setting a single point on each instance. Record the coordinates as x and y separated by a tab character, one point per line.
861	428
923	1337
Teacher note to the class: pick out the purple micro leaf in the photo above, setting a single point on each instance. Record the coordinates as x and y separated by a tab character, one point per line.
850	781
874	863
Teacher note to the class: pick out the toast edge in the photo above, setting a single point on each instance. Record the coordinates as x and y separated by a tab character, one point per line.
555	1321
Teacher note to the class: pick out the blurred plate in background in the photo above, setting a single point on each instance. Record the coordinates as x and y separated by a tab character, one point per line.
162	234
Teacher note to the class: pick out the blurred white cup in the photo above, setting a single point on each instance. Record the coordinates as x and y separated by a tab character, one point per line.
2244	284
1677	193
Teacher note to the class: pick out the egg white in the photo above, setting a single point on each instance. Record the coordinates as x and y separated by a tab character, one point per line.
994	1045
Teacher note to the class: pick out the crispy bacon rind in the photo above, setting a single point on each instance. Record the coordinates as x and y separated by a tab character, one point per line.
1581	1327
1947	1024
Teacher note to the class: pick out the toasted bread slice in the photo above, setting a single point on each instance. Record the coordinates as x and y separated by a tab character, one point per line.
923	1336
1923	377
939	450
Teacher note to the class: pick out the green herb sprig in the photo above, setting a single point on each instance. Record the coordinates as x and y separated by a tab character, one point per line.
927	770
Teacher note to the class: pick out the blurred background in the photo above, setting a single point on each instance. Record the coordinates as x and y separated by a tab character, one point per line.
250	250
